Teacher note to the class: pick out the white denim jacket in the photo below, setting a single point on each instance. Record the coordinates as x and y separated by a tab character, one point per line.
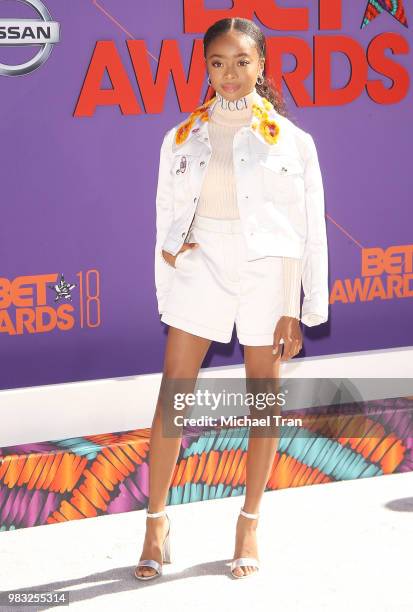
280	196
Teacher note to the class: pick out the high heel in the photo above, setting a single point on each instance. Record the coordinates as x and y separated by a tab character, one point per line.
166	551
245	561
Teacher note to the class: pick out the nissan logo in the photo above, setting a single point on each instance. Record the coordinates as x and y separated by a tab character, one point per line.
43	31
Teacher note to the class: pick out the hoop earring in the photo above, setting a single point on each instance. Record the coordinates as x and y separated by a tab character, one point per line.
261	81
209	82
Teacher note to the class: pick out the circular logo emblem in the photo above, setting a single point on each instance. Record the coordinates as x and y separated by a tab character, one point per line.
18	32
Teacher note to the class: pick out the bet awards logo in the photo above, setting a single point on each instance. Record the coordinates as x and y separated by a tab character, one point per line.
337	35
22	32
386	274
24	307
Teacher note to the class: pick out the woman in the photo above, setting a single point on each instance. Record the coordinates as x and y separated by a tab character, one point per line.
253	232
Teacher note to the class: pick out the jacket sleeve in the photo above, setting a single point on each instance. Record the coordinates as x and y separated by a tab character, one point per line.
292	286
315	258
164	218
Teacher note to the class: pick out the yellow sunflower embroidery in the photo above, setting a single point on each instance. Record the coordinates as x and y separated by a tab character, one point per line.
270	130
182	132
201	112
259	112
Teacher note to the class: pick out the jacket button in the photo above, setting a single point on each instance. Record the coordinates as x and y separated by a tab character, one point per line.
202	163
183	234
178	171
195	199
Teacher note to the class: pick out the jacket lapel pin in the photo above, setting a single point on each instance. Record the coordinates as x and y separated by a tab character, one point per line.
182	165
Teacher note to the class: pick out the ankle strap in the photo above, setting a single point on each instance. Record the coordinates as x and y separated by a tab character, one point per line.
155	514
247	515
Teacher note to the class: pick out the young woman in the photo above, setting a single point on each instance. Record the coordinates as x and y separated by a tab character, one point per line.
240	224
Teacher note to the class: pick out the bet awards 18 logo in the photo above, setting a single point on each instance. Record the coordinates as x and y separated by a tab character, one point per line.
25	306
22	32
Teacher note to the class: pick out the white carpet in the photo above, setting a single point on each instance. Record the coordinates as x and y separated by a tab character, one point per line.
339	547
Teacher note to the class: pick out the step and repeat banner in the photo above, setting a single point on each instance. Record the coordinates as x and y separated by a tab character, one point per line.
87	91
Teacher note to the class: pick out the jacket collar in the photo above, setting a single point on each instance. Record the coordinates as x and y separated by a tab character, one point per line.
264	123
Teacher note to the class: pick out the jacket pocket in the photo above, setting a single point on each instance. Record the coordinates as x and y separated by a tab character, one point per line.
282	178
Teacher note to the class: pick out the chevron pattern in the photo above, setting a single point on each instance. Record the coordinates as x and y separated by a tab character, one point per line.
63	480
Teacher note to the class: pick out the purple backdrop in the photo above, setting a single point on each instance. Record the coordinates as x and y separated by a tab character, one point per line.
78	193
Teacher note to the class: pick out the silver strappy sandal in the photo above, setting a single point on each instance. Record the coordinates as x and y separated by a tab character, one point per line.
166	552
244	561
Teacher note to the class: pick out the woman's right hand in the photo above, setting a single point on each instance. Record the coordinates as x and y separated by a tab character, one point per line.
171	259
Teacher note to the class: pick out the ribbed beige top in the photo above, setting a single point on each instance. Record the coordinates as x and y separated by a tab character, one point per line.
218	197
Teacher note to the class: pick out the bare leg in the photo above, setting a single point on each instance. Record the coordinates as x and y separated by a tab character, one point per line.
184	355
259	363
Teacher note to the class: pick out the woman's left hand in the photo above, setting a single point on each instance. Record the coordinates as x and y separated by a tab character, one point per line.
289	329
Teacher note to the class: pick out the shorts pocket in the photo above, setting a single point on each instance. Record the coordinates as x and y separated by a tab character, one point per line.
182	255
167	262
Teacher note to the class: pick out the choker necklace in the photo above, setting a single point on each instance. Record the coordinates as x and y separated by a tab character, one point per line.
233	105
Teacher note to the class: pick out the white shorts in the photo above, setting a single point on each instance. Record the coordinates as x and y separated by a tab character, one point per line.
215	286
